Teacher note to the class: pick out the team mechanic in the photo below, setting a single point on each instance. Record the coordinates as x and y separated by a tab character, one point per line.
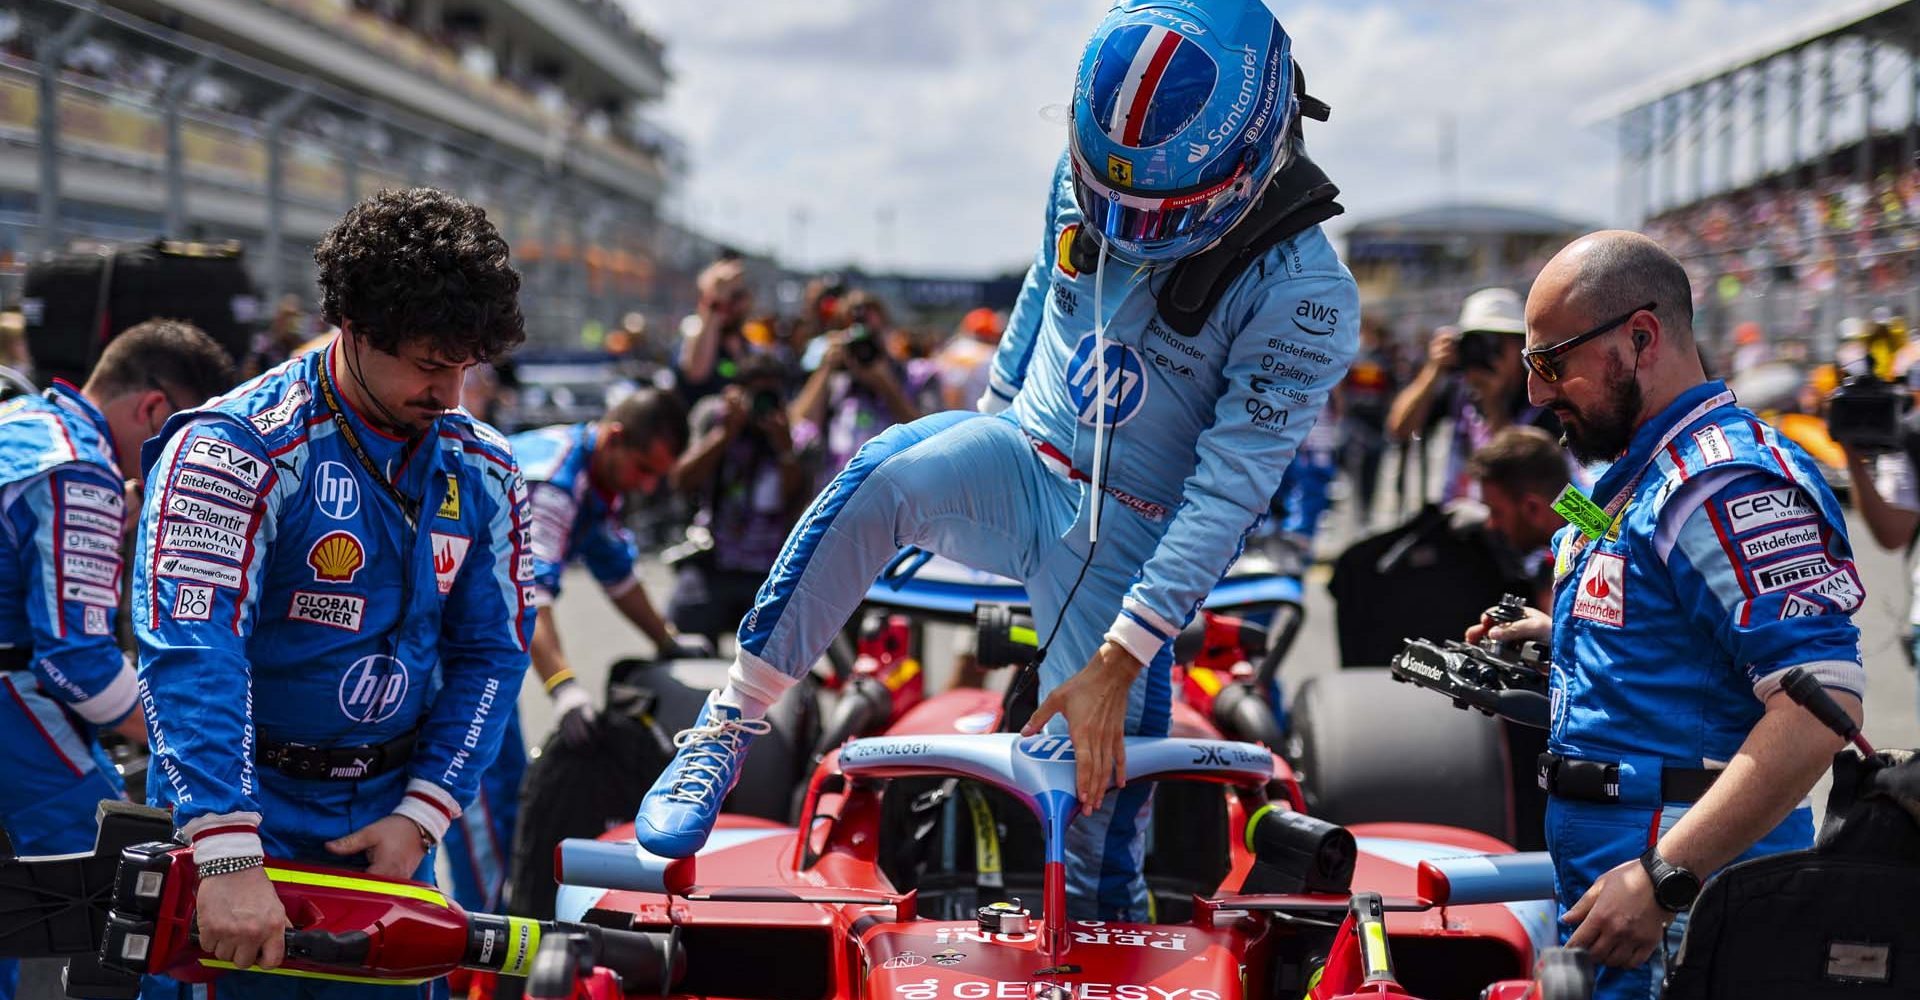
577	477
1182	113
332	600
1711	559
62	677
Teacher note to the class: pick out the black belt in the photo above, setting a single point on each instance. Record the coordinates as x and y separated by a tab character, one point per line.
1594	781
297	760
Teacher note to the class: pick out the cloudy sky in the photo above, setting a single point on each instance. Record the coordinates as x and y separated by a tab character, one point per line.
918	135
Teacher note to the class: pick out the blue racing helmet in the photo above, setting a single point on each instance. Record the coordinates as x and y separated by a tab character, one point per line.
1181	113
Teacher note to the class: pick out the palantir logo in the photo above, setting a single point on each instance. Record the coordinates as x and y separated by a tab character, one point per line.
373	689
336	491
1126	383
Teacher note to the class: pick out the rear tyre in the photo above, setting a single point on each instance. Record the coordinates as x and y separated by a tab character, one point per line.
1370	749
1564	974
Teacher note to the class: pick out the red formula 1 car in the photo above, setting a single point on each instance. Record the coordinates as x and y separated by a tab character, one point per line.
928	865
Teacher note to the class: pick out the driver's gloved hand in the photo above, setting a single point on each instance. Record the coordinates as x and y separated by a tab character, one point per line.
688	647
573	706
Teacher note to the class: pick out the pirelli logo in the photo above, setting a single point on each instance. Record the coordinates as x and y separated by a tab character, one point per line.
1790	573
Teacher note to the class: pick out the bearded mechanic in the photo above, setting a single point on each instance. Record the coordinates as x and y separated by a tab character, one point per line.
63	457
578	476
333	602
1710	559
1131	457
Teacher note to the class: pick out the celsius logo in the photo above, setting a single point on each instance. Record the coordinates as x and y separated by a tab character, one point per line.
1126	383
1312	317
373	689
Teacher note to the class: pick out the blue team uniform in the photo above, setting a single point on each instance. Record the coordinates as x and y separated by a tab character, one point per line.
283	597
1729	565
571	520
61	672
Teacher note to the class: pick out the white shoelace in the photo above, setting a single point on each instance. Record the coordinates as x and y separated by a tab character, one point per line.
706	766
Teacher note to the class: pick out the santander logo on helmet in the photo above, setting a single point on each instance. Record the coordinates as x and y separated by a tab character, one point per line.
1180	116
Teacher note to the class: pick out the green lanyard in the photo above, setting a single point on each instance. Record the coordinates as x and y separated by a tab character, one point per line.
409	508
1590	518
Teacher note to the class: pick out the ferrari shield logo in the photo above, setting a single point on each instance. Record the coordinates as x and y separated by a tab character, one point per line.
450	507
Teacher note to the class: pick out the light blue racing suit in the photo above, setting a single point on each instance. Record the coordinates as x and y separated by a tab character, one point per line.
61	672
1199	430
283	596
1730	565
571	520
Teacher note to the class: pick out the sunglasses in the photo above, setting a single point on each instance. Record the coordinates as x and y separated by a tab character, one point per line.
1545	361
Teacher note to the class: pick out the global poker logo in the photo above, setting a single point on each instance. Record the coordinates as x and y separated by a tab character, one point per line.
1126	383
373	689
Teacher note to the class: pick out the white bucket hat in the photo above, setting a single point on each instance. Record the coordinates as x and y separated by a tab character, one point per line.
1493	310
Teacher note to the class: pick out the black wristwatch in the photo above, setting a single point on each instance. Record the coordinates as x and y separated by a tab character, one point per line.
1674	888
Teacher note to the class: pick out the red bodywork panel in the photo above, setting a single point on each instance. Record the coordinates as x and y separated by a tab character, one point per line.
885	953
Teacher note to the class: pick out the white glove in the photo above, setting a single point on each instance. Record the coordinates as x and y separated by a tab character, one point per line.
991	402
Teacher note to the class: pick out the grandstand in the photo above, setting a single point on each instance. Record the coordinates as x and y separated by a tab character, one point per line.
261	120
1785	178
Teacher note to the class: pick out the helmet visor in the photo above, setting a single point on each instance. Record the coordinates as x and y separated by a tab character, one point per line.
1137	221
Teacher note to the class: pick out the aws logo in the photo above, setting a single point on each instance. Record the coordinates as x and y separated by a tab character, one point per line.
1063	250
1312	317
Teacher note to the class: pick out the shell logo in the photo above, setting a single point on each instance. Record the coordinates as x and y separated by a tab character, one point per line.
336	557
1063	250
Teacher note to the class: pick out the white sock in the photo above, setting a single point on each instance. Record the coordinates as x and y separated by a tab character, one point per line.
753	686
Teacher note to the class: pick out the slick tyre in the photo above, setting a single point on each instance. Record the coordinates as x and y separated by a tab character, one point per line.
1371	750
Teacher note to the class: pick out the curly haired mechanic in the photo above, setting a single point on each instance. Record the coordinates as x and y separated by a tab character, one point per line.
1710	559
333	594
1133	454
63	456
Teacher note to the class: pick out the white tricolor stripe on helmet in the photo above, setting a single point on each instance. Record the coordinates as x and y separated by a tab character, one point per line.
1137	71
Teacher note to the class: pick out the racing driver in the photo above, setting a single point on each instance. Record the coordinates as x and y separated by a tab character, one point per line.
1128	457
331	593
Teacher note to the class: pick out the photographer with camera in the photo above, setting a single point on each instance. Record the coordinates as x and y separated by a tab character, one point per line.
1710	559
856	391
749	486
1865	417
1473	376
715	343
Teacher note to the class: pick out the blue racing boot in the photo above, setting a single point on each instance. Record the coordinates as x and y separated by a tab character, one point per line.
678	812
